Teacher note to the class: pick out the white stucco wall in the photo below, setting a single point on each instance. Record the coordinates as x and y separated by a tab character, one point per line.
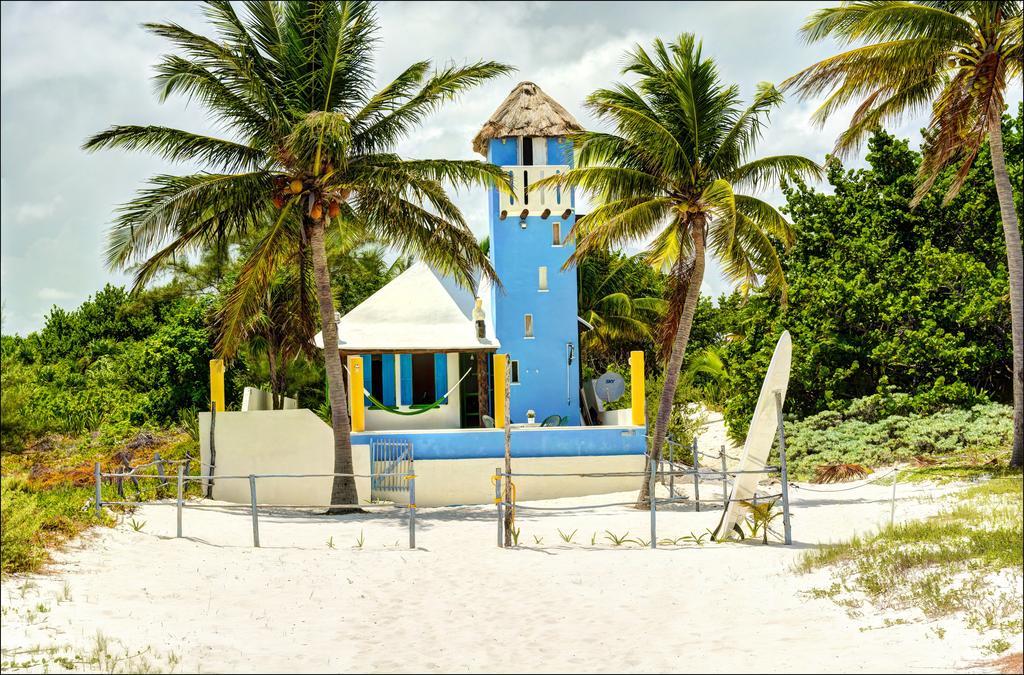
276	441
445	416
448	482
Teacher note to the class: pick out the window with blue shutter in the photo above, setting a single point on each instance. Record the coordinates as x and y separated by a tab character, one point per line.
388	379
367	377
405	372
440	376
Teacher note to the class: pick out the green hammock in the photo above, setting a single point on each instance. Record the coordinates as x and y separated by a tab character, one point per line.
409	413
395	411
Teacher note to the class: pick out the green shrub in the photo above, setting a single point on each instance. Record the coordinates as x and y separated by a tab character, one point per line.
19	525
867	432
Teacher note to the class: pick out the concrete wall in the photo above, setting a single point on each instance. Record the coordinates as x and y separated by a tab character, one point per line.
277	441
553	442
449	482
258	399
297	441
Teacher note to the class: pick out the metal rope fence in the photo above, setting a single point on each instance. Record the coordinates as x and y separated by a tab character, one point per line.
254	506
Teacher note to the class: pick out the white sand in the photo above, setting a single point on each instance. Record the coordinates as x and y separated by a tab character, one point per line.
459	603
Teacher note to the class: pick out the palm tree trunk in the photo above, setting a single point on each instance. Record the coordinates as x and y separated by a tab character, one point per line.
675	361
275	393
1015	268
344	489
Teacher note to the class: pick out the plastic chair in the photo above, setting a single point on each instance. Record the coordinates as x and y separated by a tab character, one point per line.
488	421
552	421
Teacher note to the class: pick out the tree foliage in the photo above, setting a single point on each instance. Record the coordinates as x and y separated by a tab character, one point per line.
883	295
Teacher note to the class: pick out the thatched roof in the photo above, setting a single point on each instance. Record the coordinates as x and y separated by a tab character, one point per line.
527	111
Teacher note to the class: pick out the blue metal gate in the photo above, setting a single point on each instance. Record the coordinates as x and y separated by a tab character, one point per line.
391	461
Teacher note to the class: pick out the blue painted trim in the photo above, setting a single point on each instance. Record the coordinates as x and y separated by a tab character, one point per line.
440	376
405	367
367	377
490	443
388	375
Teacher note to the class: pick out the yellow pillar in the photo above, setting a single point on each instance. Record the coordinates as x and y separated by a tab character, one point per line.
217	384
639	398
500	364
356	401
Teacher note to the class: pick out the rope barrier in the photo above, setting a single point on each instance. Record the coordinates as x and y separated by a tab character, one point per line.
703	453
847	489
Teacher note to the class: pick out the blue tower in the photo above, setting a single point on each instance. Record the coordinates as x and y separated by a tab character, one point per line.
535	316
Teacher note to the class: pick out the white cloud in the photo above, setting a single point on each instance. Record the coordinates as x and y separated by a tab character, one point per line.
71	69
32	211
53	294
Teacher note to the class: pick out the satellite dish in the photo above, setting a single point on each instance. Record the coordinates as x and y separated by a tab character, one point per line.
610	387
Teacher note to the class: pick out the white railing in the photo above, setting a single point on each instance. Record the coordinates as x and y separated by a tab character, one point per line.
555	200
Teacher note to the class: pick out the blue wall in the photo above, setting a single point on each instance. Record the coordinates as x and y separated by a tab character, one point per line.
484	443
547	384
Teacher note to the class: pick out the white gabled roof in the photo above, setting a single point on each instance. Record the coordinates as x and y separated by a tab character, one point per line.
419	310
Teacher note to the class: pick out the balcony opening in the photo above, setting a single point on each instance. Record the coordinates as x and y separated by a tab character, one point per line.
533	150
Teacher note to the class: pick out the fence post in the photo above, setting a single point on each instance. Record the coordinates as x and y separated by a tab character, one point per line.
255	513
696	475
654	507
162	484
725	479
892	508
213	451
412	510
786	526
497	502
671	477
181	492
99	491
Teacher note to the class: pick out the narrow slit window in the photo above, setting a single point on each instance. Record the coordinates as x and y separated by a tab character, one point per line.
514	375
556	233
528	326
542	278
527	150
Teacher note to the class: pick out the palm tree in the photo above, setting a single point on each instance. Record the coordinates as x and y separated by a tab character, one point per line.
280	327
957	58
312	145
618	317
668	175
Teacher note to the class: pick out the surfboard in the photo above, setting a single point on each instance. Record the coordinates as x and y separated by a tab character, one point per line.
762	432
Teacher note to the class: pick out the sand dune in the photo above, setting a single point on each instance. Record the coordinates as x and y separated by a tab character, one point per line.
211	602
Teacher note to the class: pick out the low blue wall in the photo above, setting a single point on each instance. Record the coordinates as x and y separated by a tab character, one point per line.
490	443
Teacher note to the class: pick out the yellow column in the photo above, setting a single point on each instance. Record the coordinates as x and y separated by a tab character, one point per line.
500	364
217	384
356	401
639	399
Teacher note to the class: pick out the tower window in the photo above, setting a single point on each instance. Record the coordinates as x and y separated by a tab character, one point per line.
514	375
528	325
556	233
542	278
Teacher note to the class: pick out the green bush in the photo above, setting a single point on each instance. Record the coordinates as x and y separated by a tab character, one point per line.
869	432
33	520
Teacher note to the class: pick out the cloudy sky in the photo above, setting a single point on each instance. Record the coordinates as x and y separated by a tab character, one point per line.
71	69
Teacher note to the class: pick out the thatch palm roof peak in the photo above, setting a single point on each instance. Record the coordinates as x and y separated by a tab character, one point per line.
526	111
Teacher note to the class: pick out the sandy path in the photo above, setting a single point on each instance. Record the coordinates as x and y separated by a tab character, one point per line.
461	604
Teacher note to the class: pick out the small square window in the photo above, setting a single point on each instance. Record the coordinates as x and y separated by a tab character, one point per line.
542	278
528	326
